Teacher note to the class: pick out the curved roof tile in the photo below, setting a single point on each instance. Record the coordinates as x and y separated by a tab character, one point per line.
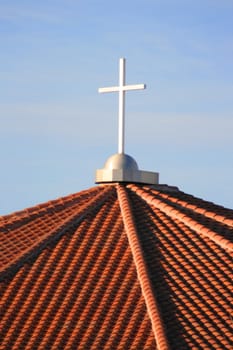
117	267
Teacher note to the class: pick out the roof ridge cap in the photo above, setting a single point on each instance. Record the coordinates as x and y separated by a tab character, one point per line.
54	235
223	242
192	207
150	300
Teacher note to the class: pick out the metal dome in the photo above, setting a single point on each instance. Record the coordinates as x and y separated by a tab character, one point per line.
121	161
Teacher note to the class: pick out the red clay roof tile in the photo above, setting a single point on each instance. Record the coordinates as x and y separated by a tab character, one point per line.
141	268
117	267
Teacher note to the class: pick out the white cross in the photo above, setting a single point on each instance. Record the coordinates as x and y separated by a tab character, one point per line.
121	89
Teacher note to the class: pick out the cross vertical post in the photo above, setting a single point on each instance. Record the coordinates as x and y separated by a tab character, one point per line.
121	89
121	126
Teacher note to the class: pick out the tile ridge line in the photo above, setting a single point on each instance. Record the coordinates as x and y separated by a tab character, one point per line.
136	250
223	242
199	210
36	248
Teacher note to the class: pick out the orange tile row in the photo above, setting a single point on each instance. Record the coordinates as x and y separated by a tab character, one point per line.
117	267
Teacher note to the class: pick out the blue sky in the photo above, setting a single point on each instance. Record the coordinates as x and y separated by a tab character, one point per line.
56	130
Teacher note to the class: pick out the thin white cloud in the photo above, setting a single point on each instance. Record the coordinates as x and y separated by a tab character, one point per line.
186	130
20	13
51	120
183	130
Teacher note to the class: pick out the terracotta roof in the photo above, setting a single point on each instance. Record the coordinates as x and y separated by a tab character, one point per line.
117	267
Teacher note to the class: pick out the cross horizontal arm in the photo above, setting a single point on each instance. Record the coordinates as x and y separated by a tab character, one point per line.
122	88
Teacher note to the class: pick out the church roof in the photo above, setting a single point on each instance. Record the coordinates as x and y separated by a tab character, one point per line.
118	266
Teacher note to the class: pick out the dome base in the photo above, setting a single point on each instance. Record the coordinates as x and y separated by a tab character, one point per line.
123	168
